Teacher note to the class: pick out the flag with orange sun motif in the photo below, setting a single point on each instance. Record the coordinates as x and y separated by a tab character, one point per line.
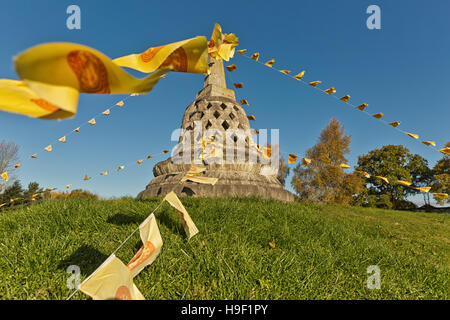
111	281
152	244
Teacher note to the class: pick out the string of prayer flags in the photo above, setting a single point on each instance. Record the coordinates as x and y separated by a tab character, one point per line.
188	225
151	246
53	74
62	139
92	122
394	124
238	85
362	106
222	46
299	76
345	98
251	117
241	51
429	143
285	71
305	162
404	183
244	102
378	115
107	112
445	150
4	176
255	56
270	63
189	55
111	281
330	91
48	148
412	135
292	158
314	83
231	67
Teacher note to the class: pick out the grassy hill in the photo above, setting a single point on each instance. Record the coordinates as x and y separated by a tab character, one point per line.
322	252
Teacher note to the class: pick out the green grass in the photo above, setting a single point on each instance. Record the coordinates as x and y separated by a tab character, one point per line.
322	252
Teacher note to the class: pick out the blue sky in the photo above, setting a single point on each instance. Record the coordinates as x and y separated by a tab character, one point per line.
400	70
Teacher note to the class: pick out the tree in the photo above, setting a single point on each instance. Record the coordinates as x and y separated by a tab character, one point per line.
283	171
13	194
9	155
394	162
33	193
441	177
323	180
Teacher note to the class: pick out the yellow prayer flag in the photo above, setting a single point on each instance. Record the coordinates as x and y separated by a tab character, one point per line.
362	106
33	156
134	94
104	173
285	71
120	104
344	166
149	156
345	98
198	179
266	152
412	135
251	117
92	122
17	165
188	225
189	55
404	183
292	158
244	102
238	85
107	112
255	56
445	150
423	189
165	151
4	175
325	158
383	178
196	170
330	91
139	161
86	177
48	148
364	174
68	186
120	168
231	67
270	63
222	46
62	139
378	115
305	162
440	195
394	124
152	244
77	130
111	281
300	75
241	51
314	83
429	143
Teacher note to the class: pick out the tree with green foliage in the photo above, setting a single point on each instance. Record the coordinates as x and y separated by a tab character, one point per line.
393	162
325	181
13	195
441	177
283	171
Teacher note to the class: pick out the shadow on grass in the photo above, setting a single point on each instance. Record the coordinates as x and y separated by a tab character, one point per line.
170	219
86	257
